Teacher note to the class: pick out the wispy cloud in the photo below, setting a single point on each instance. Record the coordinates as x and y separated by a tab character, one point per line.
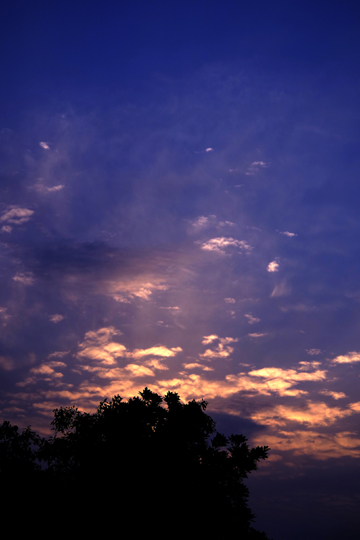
56	318
287	233
41	188
313	352
251	319
256	166
230	300
16	215
44	145
24	278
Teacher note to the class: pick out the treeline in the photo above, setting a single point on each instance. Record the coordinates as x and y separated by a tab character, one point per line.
148	464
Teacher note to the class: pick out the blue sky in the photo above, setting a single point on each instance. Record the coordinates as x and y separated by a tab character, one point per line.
179	210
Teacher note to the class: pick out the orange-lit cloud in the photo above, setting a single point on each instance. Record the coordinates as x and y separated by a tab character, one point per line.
314	414
223	350
349	358
312	443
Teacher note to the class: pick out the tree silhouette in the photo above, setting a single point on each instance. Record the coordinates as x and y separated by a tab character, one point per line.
150	459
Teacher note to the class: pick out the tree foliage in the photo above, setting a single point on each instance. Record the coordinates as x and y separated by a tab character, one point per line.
152	456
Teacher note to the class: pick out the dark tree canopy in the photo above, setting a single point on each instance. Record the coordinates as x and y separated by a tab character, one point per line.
150	462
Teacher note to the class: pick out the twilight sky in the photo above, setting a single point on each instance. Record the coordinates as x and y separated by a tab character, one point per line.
180	210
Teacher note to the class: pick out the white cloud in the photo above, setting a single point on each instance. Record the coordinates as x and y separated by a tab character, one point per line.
273	266
257	335
287	233
209	150
56	318
6	228
44	145
220	244
16	215
349	358
251	319
230	300
313	352
25	279
259	164
256	166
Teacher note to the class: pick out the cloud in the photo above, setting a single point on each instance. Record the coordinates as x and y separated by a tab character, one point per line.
314	414
226	224
56	318
335	395
273	266
256	335
25	279
7	364
287	233
156	364
259	164
256	166
230	300
282	290
321	446
209	150
223	350
313	352
44	145
209	339
282	381
58	354
159	350
251	319
309	365
45	189
134	288
349	358
16	215
6	228
139	371
220	244
195	365
99	347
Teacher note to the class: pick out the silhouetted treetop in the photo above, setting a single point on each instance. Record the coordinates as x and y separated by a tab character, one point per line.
152	455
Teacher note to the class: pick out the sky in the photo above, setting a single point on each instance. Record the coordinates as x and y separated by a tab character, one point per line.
179	209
